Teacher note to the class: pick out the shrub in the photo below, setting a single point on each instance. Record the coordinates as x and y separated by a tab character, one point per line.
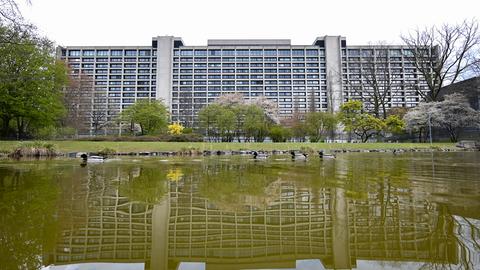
279	133
175	129
107	151
35	149
47	133
192	137
187	131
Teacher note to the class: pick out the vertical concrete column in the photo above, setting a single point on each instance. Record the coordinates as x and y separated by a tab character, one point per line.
159	251
340	234
164	69
333	59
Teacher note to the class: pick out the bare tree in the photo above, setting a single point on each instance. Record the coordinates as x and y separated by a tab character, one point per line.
78	98
9	11
99	120
444	54
373	84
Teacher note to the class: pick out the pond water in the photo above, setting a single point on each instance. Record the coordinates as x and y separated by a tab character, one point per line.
358	211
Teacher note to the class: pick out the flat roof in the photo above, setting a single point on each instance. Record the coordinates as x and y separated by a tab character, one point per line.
248	42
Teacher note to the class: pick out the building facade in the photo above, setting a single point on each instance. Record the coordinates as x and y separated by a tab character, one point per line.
297	78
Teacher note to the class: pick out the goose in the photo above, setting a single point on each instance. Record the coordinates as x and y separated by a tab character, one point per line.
92	159
395	151
298	156
257	155
323	155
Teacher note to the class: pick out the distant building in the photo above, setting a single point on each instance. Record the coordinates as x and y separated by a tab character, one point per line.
469	88
297	78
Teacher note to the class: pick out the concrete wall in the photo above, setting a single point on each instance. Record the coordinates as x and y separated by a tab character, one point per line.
334	71
164	69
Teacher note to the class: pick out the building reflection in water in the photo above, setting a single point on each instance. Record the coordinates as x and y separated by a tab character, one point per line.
293	221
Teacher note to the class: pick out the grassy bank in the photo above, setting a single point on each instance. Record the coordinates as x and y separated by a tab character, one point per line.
76	146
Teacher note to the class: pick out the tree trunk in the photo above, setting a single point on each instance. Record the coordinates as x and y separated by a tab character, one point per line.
453	134
5	125
20	128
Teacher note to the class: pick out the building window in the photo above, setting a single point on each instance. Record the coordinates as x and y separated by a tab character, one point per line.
116	52
74	53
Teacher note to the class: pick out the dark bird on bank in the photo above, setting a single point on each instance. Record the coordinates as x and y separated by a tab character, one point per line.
298	156
92	159
257	155
322	155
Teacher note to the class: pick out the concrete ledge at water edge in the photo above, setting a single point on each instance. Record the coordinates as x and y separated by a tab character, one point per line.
470	145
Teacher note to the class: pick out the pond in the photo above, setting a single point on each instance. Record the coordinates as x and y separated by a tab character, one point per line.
358	211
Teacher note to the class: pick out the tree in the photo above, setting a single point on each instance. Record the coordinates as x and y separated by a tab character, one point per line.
237	100
361	124
416	119
98	119
226	124
207	117
30	83
9	11
374	84
279	133
394	124
453	114
318	124
77	97
444	54
150	115
256	123
235	118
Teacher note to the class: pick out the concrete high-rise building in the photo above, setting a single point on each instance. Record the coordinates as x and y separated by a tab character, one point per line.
298	78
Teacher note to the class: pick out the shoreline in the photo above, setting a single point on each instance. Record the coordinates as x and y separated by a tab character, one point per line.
74	148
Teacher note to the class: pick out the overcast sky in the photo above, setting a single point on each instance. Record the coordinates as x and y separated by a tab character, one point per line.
135	22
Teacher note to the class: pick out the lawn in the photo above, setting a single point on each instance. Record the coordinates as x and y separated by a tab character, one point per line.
75	146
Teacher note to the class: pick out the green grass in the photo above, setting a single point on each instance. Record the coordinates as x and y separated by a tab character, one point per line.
75	146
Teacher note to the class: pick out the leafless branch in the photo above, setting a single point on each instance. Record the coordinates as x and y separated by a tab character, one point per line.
445	54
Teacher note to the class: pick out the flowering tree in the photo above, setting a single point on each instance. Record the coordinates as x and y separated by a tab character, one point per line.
453	114
236	100
416	119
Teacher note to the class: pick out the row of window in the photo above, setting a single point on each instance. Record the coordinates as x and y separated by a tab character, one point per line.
295	70
204	94
245	88
252	76
247	52
378	52
114	71
112	60
114	88
251	59
118	100
406	82
106	65
138	94
253	82
380	76
118	65
125	83
127	52
88	65
369	60
127	77
203	65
